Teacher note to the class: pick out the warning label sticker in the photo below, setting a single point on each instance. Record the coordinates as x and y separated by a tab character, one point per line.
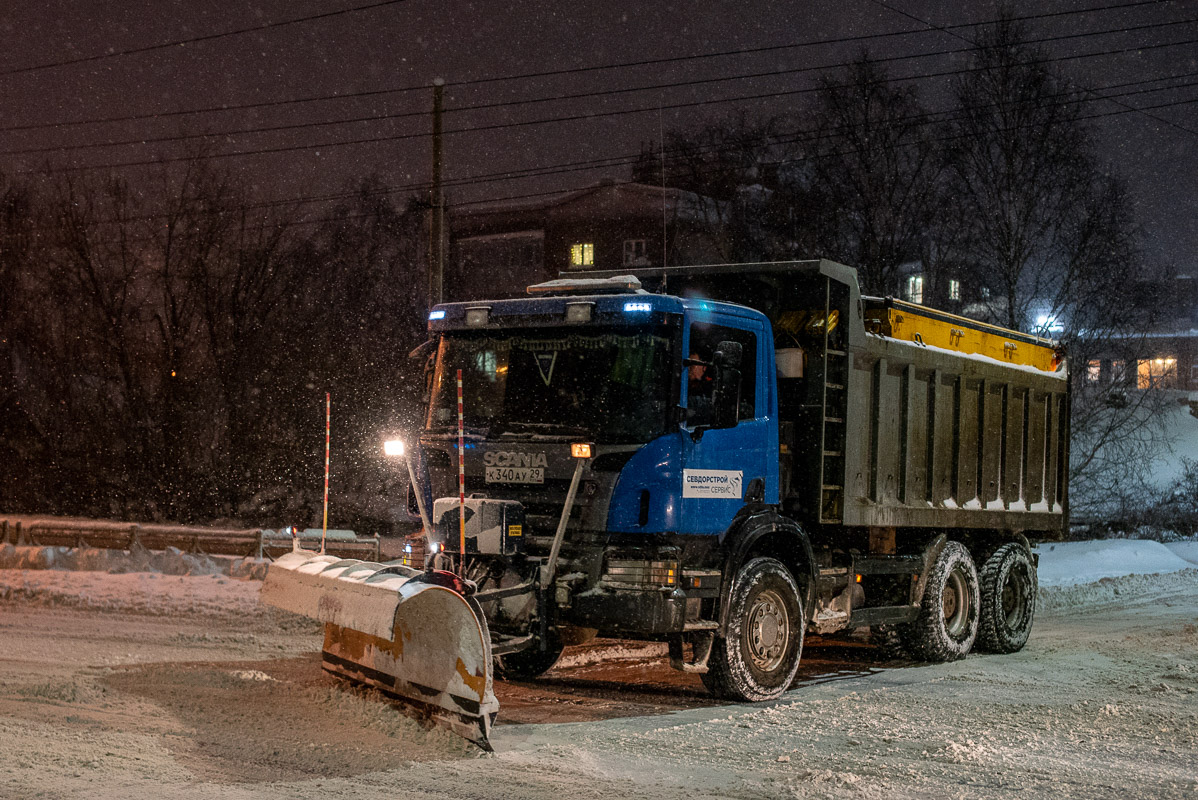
722	483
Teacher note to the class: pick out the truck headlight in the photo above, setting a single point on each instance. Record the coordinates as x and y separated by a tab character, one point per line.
644	574
393	448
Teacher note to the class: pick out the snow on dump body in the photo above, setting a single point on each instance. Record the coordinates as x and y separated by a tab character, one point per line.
389	628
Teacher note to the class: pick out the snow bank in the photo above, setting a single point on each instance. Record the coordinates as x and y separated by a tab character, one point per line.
1182	430
167	562
1186	550
1072	563
147	593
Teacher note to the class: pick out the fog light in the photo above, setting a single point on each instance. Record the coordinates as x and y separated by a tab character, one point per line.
393	448
580	450
478	317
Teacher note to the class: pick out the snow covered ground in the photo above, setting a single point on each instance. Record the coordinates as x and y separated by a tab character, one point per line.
161	685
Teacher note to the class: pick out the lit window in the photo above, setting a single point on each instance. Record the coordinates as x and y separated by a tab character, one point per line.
1093	371
915	289
1155	373
635	253
954	289
582	255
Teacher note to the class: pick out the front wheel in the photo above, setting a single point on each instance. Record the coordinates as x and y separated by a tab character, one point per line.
947	624
531	662
1008	587
759	657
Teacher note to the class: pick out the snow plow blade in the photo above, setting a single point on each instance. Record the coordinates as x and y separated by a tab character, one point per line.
397	630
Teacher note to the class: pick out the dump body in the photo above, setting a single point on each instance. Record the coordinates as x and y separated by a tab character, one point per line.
952	440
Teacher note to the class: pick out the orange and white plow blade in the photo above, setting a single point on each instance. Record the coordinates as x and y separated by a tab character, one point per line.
419	642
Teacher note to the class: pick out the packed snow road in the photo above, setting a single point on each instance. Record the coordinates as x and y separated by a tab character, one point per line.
143	684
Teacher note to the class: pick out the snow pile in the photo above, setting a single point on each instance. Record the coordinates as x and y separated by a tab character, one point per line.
1187	550
1114	591
171	561
1072	563
137	592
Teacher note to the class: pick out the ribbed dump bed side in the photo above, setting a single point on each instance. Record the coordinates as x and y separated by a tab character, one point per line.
946	439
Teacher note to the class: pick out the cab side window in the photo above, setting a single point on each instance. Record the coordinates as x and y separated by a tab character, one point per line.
704	339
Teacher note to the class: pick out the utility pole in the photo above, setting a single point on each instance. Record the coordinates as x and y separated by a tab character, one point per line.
436	233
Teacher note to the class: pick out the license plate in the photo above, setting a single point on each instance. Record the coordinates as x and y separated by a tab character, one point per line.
515	474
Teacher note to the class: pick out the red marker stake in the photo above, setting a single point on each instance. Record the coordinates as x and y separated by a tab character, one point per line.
461	484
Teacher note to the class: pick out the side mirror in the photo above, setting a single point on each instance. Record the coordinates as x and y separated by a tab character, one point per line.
726	400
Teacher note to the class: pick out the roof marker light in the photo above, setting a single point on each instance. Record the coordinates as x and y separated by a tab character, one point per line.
637	307
438	314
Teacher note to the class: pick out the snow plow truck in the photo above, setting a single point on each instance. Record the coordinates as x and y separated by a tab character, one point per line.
722	458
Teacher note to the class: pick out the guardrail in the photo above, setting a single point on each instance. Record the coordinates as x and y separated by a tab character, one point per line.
258	543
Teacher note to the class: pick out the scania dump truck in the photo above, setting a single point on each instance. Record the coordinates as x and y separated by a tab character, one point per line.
722	458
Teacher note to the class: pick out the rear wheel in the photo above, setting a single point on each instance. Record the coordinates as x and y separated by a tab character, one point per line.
1008	589
948	618
760	655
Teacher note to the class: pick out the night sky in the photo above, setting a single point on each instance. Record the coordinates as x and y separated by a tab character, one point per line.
404	45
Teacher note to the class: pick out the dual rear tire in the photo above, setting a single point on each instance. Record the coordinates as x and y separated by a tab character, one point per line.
950	609
1008	586
964	607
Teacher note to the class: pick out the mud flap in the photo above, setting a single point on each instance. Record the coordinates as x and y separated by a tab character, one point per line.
421	643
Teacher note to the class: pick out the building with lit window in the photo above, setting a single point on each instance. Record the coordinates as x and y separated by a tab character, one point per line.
1166	360
497	249
1164	352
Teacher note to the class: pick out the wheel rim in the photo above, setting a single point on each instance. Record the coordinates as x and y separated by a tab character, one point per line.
768	631
957	602
1014	596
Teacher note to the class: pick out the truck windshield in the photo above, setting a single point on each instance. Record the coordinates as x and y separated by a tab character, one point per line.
608	385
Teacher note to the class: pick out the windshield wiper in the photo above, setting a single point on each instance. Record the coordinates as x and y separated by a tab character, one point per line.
548	428
469	430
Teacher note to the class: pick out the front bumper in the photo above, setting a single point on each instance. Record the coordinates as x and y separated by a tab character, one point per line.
629	612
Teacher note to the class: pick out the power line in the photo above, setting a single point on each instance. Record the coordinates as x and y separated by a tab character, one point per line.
596	114
195	39
950	32
556	72
530	101
920	119
550	193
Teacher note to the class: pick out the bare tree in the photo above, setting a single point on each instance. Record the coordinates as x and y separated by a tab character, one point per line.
737	168
23	441
1046	231
877	169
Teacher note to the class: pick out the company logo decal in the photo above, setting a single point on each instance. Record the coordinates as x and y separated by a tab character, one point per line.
545	364
712	483
507	458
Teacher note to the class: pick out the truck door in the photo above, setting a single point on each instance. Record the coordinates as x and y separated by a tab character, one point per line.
718	465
